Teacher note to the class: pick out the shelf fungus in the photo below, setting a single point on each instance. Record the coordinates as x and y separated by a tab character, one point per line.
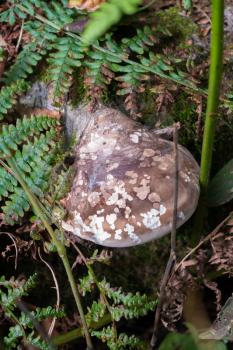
122	193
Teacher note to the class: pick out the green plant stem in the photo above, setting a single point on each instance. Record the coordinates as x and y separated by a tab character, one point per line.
77	333
58	243
215	74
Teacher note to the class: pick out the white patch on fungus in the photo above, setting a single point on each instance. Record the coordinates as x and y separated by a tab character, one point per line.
133	181
94	198
118	234
100	211
127	212
96	227
181	215
111	218
142	191
134	138
130	230
119	197
148	152
151	219
185	176
112	166
131	173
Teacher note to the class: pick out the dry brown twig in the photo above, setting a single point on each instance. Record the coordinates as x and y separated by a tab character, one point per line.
15	245
172	257
204	240
52	325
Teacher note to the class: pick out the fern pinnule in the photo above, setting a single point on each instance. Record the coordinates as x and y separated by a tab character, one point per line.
120	342
26	60
8	96
11	136
16	206
66	58
7	183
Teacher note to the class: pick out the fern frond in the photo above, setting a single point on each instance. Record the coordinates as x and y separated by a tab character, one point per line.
26	320
16	205
96	311
26	60
7	183
86	284
12	135
9	94
34	157
127	305
63	62
12	339
15	291
122	342
107	15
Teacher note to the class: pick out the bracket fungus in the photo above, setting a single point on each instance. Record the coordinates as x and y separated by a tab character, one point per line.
123	190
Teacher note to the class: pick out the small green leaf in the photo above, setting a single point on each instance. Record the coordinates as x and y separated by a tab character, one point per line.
187	4
221	187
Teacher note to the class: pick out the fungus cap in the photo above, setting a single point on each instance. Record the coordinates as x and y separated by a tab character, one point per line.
123	190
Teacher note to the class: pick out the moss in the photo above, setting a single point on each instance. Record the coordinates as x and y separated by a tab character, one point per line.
184	111
178	25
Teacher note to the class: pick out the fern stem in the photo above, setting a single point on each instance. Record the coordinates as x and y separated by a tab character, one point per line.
58	243
213	91
77	333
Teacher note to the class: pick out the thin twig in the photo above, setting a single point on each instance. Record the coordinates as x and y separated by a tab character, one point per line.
51	328
147	6
15	245
20	37
172	256
204	240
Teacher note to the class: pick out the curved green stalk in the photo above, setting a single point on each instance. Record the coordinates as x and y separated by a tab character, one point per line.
61	249
213	91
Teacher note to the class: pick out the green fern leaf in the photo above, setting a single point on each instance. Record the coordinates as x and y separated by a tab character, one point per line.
8	96
122	342
11	135
26	60
34	158
63	62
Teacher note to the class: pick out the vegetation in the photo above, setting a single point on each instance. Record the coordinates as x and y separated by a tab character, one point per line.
152	61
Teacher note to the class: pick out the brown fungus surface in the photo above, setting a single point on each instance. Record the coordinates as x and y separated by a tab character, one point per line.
122	194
